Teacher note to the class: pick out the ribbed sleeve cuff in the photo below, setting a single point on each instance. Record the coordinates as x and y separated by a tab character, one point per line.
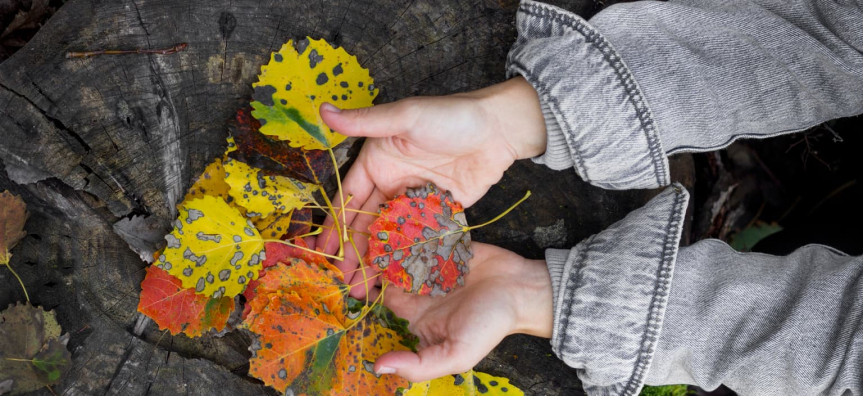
610	293
597	120
556	154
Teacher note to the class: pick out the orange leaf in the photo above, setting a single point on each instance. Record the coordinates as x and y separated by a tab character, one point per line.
311	343
181	310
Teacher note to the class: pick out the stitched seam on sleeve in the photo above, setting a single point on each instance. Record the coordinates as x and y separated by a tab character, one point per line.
543	90
625	78
569	286
660	296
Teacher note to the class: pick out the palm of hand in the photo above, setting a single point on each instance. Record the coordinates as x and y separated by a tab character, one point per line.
463	326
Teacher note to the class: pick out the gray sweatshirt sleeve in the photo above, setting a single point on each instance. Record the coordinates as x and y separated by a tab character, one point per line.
648	79
630	308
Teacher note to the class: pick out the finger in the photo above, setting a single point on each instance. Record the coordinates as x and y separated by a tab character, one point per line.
361	223
358	184
379	121
374	293
433	362
311	242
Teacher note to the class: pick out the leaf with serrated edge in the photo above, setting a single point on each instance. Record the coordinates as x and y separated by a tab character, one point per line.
294	84
470	383
213	249
420	241
264	195
309	347
13	215
211	182
178	310
32	352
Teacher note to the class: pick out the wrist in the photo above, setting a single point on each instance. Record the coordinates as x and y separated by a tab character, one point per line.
534	300
515	113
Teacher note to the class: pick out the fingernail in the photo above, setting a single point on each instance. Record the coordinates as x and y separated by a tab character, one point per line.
385	370
329	107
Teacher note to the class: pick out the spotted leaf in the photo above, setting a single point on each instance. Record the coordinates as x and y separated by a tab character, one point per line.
13	215
211	182
312	345
263	195
421	241
32	351
180	310
297	80
277	253
277	156
213	249
471	383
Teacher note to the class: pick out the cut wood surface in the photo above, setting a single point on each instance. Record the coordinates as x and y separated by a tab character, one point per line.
103	148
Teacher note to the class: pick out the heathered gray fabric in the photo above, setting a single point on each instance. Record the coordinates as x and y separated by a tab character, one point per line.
763	325
610	294
596	119
648	79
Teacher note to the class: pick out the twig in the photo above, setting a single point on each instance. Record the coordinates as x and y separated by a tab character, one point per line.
165	51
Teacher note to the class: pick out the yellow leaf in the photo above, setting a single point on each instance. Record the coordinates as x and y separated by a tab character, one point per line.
465	384
210	182
213	249
232	145
263	195
291	88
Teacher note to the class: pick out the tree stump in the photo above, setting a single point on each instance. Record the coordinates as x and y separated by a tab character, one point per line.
97	144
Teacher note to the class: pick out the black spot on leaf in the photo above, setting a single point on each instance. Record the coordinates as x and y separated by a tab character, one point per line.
264	94
277	57
338	70
322	79
314	58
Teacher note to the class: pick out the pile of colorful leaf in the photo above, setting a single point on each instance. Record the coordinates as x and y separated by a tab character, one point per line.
240	228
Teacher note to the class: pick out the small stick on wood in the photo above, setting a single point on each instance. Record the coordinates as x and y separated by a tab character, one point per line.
166	51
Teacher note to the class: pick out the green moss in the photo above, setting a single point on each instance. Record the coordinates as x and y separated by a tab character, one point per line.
667	390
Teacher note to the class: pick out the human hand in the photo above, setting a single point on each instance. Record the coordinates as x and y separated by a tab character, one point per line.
503	294
462	143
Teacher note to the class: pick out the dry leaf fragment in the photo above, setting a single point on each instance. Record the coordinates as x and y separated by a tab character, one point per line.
32	351
276	156
13	215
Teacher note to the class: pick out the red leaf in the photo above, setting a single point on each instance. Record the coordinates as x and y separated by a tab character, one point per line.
421	242
181	310
276	156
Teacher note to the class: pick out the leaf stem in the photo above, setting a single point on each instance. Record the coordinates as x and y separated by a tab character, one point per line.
362	266
341	192
526	196
315	232
347	209
335	220
19	281
305	249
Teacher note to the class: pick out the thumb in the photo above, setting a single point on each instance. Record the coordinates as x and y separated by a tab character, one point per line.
430	363
379	121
